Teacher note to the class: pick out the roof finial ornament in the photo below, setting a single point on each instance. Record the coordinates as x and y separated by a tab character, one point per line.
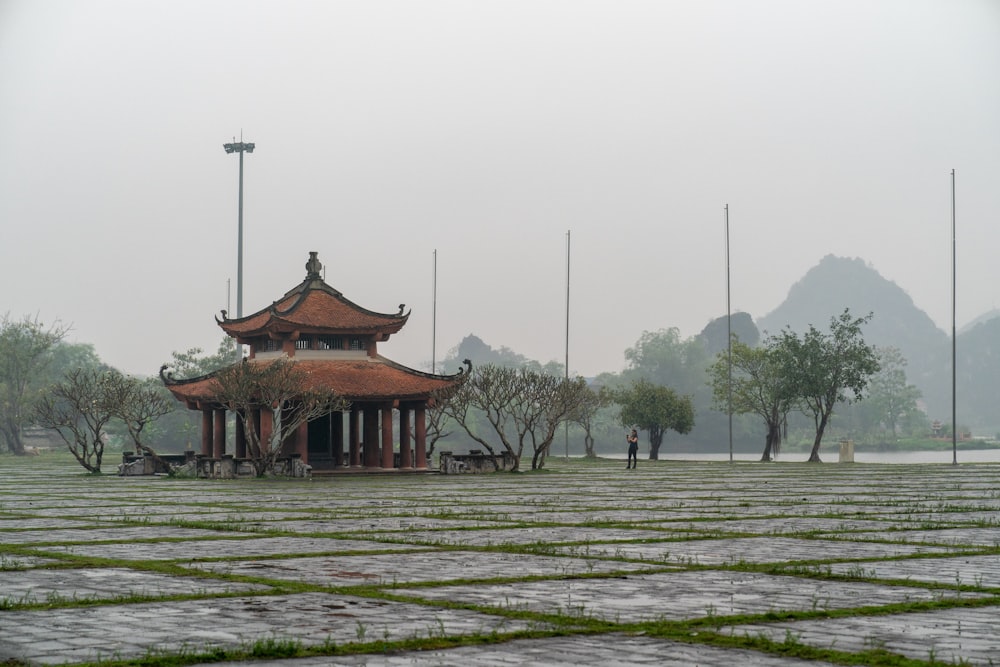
314	267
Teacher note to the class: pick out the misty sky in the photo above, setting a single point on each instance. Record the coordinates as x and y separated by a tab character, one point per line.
486	130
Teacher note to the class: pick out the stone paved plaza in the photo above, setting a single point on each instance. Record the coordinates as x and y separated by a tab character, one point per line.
585	563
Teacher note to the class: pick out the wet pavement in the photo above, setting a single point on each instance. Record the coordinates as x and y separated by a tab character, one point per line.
676	563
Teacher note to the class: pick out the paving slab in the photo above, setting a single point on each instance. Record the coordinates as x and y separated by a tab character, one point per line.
102	534
524	536
132	631
611	650
953	636
790	524
733	551
96	584
979	571
989	536
226	545
678	595
400	569
385	524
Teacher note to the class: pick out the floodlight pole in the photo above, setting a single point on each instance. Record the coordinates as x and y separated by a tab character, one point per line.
239	147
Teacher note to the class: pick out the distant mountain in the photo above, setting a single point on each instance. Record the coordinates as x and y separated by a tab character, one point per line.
837	283
977	373
982	319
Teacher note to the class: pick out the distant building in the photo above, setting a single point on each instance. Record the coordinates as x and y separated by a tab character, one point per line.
335	342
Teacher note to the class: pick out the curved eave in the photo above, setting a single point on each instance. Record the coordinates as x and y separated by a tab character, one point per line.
361	380
315	307
197	393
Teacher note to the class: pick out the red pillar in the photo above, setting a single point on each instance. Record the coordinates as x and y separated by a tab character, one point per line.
420	417
206	432
241	437
302	441
219	434
387	439
355	437
266	427
337	430
405	453
371	454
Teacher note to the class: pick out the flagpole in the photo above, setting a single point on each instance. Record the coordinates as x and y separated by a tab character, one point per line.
954	410
434	310
729	343
566	369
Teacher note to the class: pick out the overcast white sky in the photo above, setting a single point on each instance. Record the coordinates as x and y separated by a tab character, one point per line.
486	130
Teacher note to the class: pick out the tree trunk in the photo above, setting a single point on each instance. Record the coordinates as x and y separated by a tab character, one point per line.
814	454
773	444
766	456
655	440
12	436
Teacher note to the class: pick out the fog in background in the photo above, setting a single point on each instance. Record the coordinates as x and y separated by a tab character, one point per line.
486	130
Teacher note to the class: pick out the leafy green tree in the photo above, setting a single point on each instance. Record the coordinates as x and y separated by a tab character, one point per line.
759	386
25	353
654	409
195	363
890	397
664	359
67	357
825	366
79	409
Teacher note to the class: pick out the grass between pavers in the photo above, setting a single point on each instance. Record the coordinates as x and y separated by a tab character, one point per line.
569	621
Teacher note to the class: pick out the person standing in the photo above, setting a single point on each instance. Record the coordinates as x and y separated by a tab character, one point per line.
633	450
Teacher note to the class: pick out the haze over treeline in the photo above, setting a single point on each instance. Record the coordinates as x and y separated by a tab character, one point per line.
826	290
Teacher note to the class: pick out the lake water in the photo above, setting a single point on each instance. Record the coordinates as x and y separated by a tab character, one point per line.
964	456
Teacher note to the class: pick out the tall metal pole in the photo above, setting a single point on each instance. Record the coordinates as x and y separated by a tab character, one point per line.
434	314
566	424
239	147
239	253
729	343
954	410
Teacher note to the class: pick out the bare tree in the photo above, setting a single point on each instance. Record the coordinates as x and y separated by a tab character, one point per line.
279	387
520	406
136	404
24	352
590	403
78	409
438	418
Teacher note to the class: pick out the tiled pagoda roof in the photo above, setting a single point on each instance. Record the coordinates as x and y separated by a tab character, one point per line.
315	307
369	379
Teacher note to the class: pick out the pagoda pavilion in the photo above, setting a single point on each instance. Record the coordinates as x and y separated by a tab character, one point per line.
335	342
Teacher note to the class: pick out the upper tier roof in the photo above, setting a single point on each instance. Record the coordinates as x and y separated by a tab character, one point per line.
314	307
